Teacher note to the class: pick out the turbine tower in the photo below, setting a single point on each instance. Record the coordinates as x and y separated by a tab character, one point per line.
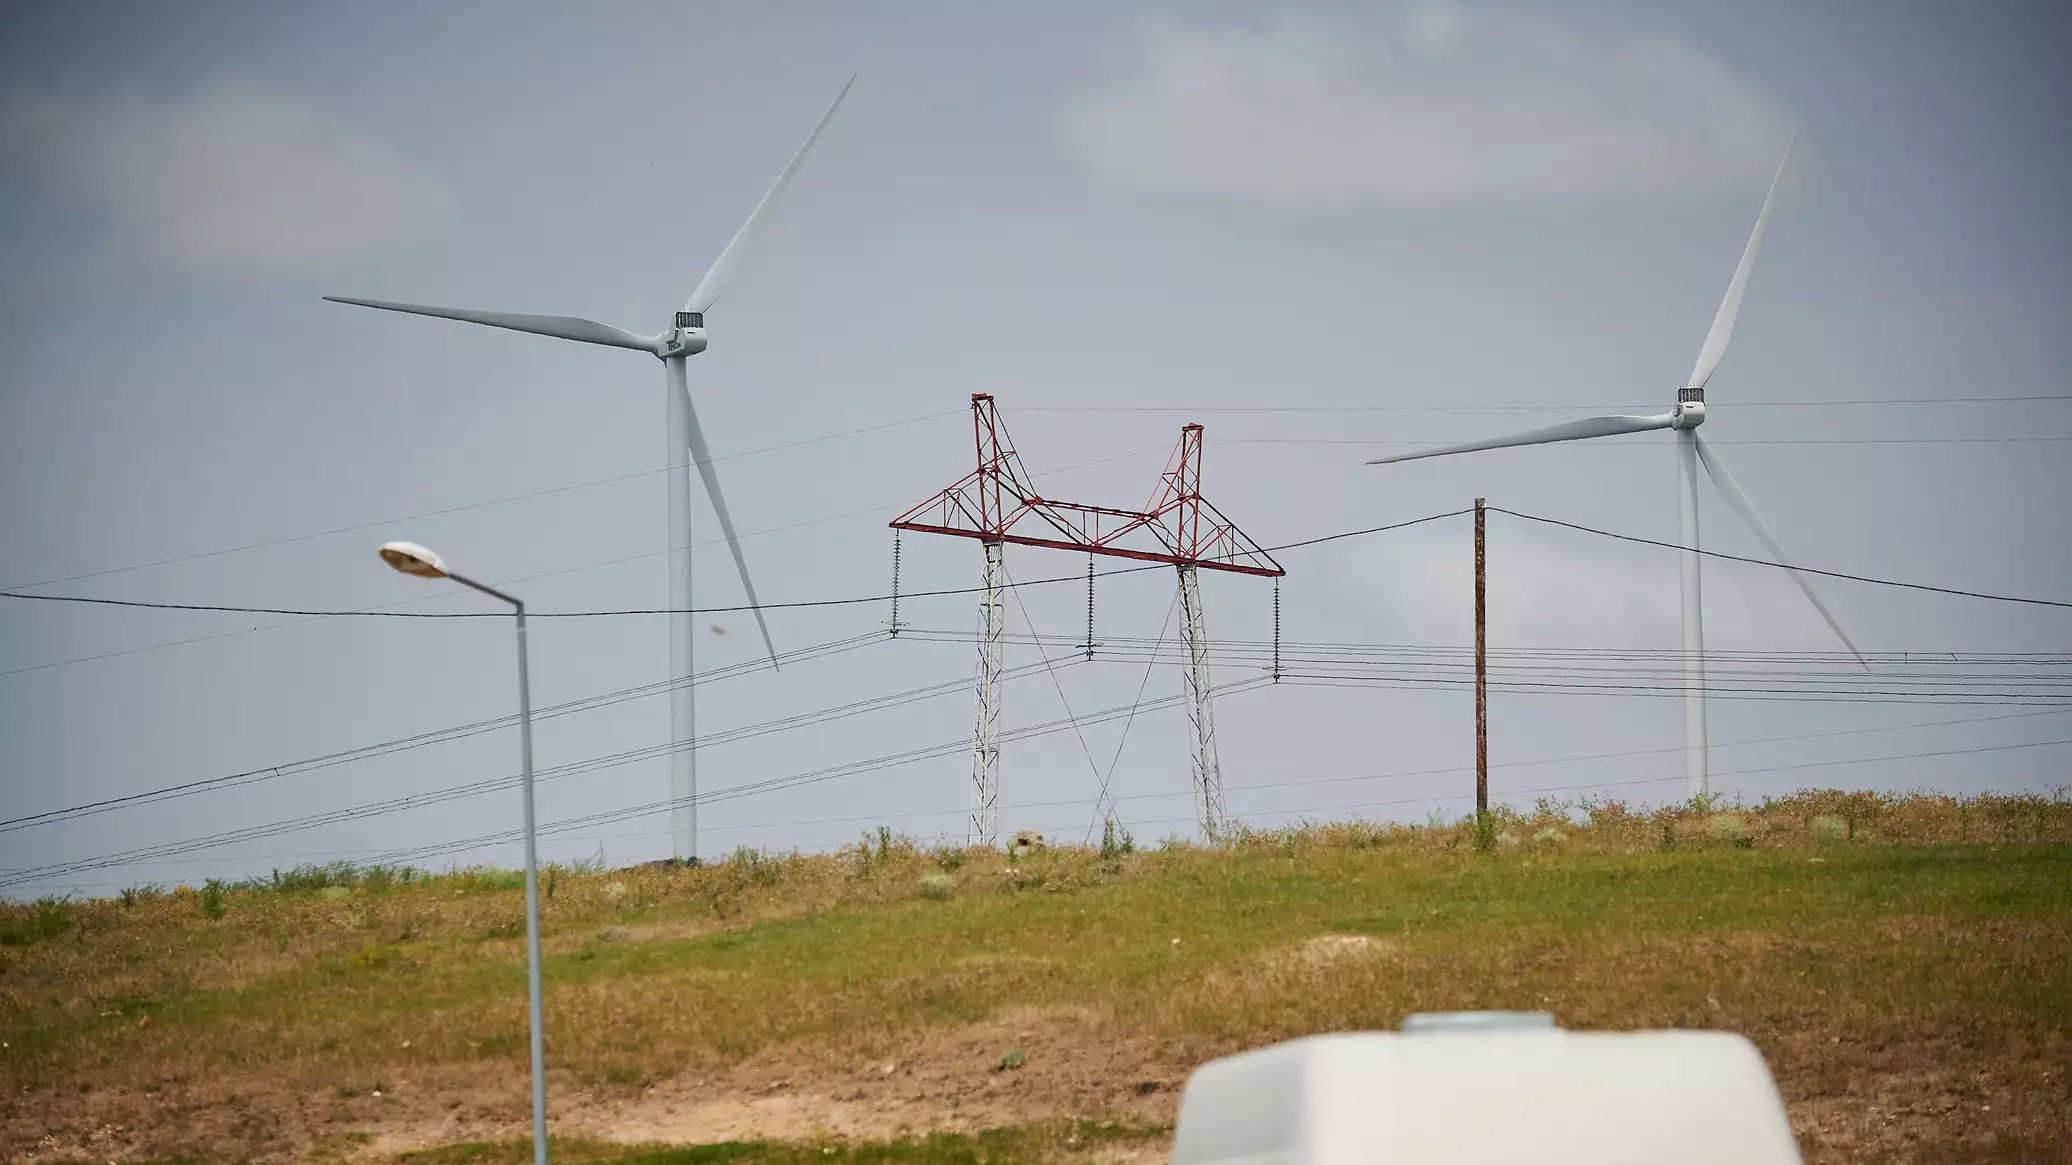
1692	451
686	447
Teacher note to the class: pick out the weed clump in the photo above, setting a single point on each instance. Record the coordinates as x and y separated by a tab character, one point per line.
756	868
46	918
1485	832
1116	844
1828	827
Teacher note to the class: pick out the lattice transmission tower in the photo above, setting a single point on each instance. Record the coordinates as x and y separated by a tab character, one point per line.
995	504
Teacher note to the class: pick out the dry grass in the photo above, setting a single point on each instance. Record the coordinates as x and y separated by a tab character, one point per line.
1906	964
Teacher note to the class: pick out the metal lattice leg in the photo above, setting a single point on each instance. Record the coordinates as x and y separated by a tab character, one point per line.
985	741
1208	771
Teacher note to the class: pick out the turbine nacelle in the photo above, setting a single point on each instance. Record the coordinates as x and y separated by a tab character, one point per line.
687	338
1690	409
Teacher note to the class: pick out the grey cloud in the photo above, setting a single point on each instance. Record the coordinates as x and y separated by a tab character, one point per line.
231	178
1424	103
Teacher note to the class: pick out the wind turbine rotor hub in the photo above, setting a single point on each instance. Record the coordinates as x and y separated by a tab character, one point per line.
687	338
1690	408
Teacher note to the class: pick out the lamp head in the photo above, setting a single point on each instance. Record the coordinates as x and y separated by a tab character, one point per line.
410	558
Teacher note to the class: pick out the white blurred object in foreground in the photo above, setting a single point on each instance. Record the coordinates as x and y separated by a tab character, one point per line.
1467	1088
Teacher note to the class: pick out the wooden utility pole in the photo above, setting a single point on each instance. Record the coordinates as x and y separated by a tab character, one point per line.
1481	671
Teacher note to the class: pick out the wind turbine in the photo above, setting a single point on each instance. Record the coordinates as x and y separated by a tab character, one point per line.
1692	450
686	447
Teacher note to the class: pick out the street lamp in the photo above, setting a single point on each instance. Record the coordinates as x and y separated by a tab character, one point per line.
410	558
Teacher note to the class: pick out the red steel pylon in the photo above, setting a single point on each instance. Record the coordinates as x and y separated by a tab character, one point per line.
995	504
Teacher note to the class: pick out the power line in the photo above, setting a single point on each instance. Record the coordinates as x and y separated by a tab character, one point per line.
1063	702
1566	684
506	500
1883	582
1536	408
136	857
1122	738
559	827
1418	666
1638	445
2021	678
377	613
793	781
1671	654
420	740
573	768
1755	694
426	598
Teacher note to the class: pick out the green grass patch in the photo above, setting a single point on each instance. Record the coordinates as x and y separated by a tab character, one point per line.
1932	930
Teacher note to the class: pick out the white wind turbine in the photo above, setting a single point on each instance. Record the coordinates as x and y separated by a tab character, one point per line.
1692	449
686	447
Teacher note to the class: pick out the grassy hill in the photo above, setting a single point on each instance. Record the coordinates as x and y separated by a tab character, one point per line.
1905	965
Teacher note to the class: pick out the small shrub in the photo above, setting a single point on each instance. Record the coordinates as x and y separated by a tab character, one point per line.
212	899
1485	832
1115	844
1726	827
937	886
1547	836
950	858
1013	1060
1828	827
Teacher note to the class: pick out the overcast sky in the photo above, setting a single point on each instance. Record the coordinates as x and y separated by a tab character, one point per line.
1484	218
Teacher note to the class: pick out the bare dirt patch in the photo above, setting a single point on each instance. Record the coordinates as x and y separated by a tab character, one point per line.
1067	1062
1024	1066
1328	950
1854	1096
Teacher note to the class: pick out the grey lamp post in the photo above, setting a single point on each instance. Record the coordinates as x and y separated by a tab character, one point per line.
410	558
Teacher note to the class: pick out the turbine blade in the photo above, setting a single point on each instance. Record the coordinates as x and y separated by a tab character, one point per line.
1730	307
702	457
1570	431
560	327
1739	503
715	280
